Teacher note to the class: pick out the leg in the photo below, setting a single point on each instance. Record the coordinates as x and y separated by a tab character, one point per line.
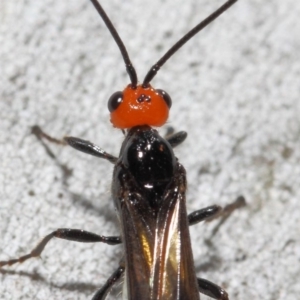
230	208
78	144
37	131
211	290
227	211
102	293
40	134
203	214
207	214
212	212
89	148
170	131
176	138
76	235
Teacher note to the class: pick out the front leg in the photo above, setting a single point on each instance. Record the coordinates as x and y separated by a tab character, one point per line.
89	148
78	144
176	139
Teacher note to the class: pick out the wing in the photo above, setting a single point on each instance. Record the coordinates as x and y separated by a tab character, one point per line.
158	257
173	274
138	233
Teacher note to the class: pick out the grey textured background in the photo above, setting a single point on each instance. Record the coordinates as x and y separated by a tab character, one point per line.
235	89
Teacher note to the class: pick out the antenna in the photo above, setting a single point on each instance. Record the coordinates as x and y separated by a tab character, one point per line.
155	68
129	67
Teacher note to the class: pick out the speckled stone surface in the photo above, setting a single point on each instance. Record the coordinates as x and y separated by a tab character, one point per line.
235	89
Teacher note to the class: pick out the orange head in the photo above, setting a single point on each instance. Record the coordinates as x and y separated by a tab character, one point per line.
139	106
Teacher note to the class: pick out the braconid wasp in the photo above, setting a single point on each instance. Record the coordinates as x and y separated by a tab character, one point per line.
149	186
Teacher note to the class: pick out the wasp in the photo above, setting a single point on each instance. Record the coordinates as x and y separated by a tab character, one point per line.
149	191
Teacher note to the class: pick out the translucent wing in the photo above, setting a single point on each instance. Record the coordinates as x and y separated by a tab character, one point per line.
158	256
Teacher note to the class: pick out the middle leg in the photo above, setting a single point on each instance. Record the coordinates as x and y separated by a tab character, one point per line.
76	235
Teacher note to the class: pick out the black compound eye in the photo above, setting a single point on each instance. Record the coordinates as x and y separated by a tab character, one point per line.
166	97
114	101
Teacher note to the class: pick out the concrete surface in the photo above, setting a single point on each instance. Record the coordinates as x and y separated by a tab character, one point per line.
235	89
